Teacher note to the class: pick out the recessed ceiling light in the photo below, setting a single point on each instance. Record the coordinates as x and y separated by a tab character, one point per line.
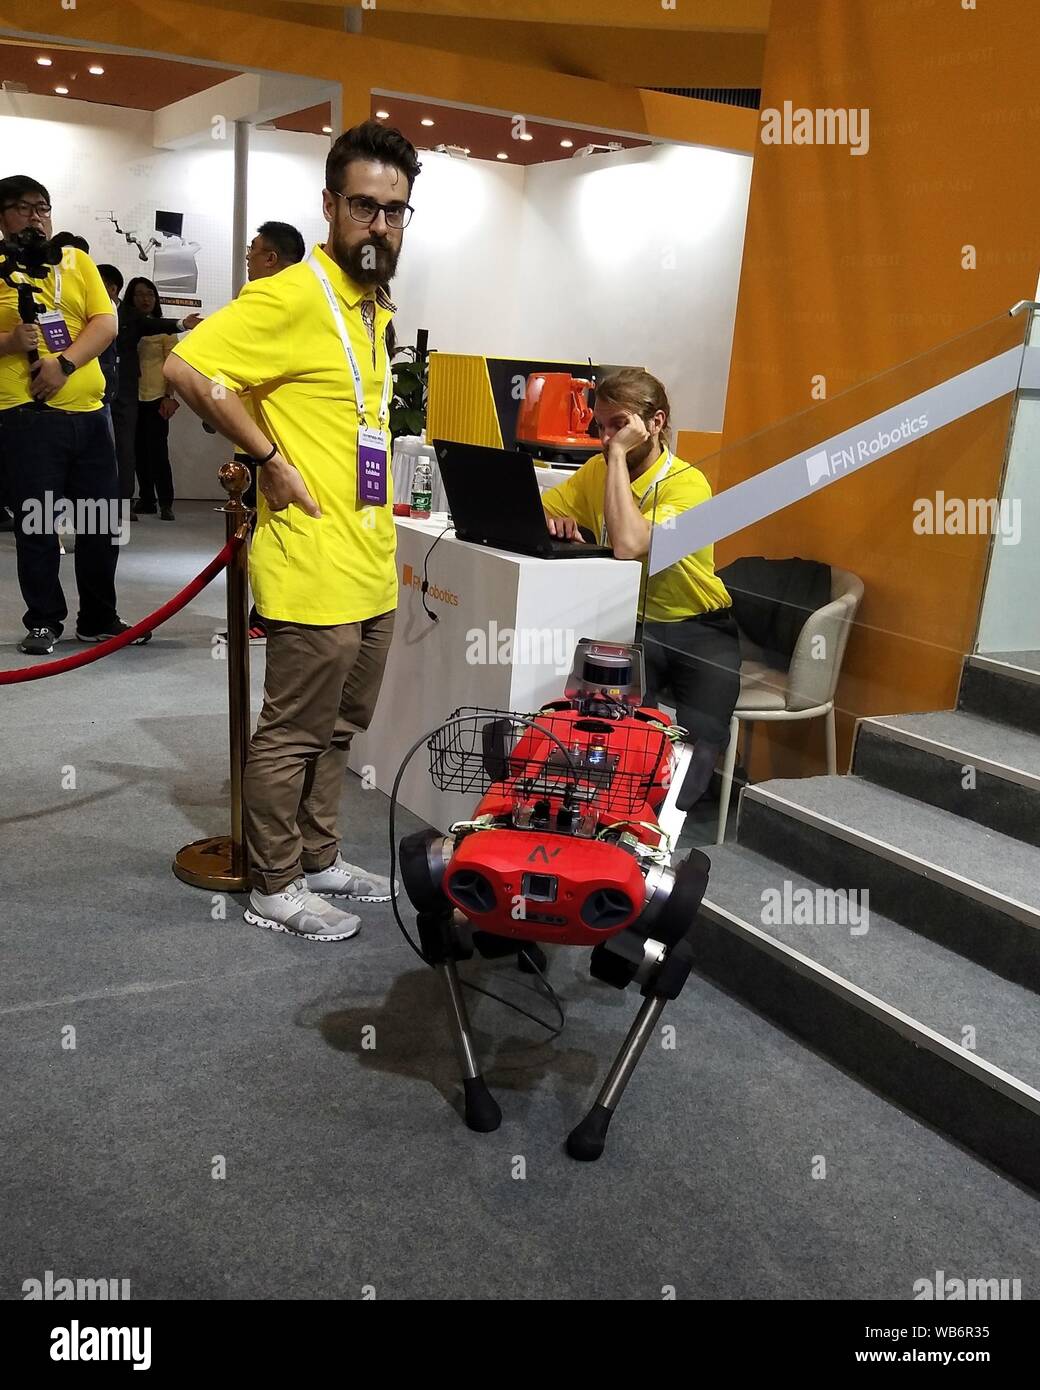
96	70
382	115
527	135
566	144
45	62
501	156
62	91
326	130
426	121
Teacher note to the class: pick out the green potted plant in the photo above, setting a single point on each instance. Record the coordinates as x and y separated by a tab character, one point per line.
408	404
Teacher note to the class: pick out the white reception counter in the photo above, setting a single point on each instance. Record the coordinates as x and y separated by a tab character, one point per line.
504	639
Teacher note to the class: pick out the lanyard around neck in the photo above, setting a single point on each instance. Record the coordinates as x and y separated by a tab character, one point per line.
344	337
664	470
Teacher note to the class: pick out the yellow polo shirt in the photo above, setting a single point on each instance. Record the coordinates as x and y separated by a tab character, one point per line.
278	341
690	585
83	296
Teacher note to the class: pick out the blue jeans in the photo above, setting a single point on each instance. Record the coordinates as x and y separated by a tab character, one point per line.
65	454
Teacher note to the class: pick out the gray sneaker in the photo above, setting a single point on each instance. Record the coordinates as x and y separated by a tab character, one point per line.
299	912
343	880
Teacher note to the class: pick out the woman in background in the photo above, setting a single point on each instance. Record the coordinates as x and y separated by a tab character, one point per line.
155	407
134	327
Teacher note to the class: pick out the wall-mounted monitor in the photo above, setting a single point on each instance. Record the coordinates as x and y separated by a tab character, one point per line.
172	223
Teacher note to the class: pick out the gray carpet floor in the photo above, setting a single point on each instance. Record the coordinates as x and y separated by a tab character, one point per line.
199	1039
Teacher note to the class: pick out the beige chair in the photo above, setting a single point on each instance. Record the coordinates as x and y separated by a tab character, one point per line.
805	690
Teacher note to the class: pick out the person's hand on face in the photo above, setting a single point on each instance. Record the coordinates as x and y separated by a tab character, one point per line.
633	433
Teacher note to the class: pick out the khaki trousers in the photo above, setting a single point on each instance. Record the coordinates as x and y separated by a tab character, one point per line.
320	690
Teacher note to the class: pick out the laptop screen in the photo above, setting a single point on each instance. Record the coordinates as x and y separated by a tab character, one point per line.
493	494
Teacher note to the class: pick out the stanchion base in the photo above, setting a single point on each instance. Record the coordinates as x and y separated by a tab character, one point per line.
208	864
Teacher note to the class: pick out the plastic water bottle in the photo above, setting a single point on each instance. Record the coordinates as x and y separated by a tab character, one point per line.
422	490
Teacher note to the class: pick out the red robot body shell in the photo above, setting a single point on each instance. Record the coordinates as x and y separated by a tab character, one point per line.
541	886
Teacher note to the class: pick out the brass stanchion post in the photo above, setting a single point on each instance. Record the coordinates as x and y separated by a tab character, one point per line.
219	862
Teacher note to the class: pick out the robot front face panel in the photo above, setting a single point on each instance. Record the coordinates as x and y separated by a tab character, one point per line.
545	887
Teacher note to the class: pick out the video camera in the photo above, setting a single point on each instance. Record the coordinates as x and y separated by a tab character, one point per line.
29	252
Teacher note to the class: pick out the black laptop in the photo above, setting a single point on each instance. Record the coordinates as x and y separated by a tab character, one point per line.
494	500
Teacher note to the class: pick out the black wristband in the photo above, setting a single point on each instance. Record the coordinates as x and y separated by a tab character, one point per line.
266	458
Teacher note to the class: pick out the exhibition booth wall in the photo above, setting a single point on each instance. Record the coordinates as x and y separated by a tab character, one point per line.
856	263
561	261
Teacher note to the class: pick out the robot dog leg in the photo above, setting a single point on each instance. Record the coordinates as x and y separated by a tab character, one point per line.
445	942
657	956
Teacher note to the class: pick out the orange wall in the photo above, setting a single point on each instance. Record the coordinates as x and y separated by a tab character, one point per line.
701	447
853	264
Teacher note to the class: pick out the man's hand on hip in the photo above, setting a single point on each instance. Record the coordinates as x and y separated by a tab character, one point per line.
282	485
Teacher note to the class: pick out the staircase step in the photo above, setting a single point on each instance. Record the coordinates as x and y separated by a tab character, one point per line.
1028	661
963	885
975	767
887	1003
1004	687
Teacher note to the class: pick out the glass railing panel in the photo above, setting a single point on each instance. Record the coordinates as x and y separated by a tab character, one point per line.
889	494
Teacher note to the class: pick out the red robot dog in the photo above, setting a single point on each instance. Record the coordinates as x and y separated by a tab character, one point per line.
567	845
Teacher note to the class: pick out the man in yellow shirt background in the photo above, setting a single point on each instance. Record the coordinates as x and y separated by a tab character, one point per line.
691	646
308	345
54	437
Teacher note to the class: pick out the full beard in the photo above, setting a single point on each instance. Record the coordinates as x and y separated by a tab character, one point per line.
369	262
637	456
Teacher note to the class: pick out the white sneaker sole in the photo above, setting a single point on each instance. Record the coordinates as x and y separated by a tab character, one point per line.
255	920
352	897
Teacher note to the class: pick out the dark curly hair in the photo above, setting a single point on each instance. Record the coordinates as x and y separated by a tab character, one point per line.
375	141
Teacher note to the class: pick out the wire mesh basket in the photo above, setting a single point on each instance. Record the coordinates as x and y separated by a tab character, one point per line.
613	766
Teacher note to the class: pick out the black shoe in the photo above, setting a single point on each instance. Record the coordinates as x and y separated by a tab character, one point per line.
6	520
144	509
166	514
113	630
39	641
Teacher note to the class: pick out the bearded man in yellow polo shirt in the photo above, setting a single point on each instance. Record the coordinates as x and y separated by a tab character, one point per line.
690	641
309	347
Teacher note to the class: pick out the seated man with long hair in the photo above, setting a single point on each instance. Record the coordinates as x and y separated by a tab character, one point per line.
690	642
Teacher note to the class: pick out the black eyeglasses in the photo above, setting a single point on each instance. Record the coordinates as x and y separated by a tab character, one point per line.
27	209
366	210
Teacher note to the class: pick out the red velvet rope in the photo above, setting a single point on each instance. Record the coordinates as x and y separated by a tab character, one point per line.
173	605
